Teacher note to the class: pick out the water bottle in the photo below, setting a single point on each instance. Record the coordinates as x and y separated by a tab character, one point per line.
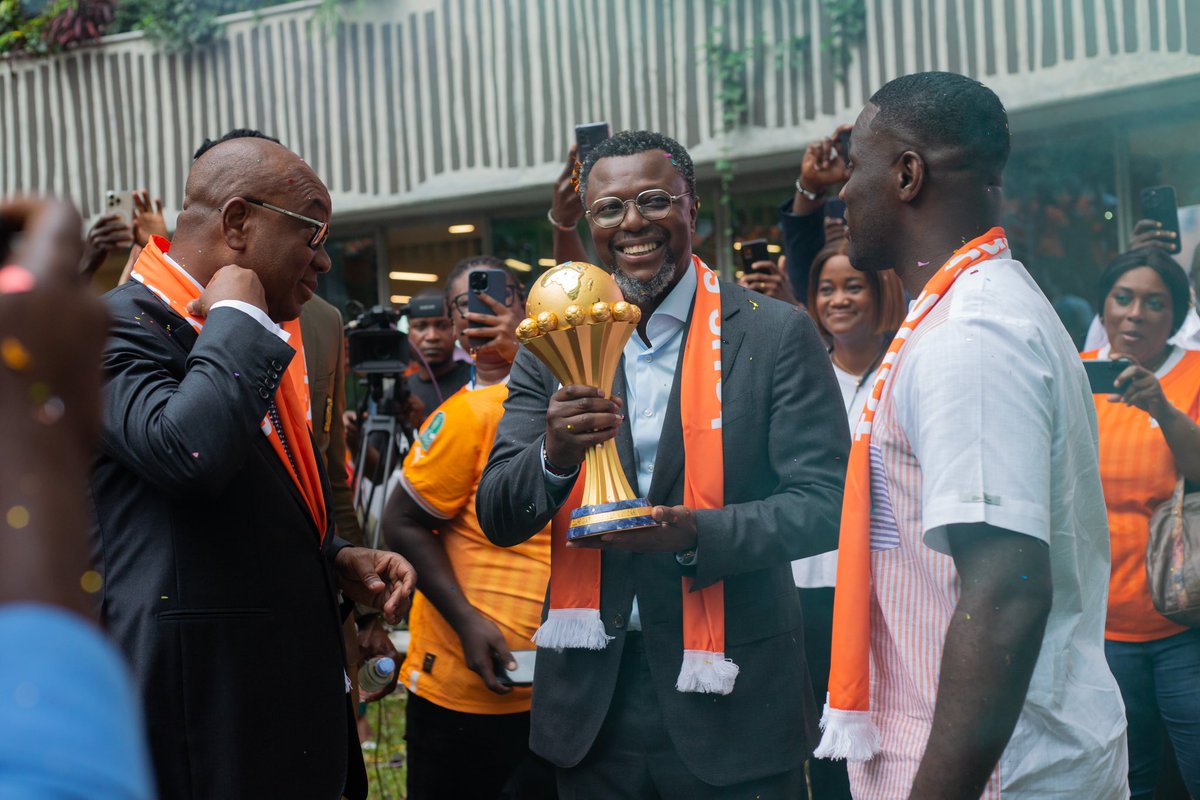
376	674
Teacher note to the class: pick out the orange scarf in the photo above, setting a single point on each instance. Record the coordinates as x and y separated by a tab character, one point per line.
176	288
574	617
849	732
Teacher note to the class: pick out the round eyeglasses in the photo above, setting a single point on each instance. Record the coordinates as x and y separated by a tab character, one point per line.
652	204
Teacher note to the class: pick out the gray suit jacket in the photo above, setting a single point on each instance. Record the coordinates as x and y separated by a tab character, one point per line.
785	450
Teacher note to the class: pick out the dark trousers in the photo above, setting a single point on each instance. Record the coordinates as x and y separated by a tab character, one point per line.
1160	684
633	758
828	779
458	756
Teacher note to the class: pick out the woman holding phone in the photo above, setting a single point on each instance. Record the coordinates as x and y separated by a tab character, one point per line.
1148	437
857	313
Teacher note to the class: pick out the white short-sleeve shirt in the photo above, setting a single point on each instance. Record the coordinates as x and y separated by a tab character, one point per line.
988	418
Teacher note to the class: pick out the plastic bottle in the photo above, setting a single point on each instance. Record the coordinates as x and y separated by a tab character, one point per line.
376	674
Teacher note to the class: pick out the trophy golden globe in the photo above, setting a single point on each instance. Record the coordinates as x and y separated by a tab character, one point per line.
577	326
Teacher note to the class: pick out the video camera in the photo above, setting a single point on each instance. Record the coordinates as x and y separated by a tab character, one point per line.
376	347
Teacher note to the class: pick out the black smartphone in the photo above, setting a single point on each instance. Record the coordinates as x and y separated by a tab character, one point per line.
8	238
588	135
1159	204
492	282
754	250
1102	374
843	145
523	674
835	208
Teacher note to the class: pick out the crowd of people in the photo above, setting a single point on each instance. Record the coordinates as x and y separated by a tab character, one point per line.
899	545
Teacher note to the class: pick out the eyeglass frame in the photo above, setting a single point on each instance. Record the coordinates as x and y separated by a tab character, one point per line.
625	207
510	294
318	238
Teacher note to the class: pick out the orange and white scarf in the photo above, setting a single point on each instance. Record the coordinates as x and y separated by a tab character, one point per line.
849	732
574	617
176	288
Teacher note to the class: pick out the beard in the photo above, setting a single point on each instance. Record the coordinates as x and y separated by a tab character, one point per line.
642	293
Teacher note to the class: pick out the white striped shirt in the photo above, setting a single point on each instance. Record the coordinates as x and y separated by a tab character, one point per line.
988	418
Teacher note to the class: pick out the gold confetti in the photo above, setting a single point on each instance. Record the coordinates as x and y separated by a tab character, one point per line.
15	356
17	517
91	581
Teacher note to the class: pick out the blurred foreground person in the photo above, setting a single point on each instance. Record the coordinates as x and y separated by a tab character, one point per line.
682	675
477	603
960	667
215	533
1148	438
70	727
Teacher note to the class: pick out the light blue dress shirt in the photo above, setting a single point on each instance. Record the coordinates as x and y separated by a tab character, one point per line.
649	373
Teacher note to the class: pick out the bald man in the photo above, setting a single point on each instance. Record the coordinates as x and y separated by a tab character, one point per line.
214	532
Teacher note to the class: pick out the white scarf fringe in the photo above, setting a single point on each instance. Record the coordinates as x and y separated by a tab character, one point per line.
847	735
574	628
706	672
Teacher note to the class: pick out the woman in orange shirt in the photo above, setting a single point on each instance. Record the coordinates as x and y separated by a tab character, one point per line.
1148	436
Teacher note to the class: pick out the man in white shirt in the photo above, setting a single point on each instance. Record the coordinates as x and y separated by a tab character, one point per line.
989	550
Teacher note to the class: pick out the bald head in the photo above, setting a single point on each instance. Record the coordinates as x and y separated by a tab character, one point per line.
246	167
252	202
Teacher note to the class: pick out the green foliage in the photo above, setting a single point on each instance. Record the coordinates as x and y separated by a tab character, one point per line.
36	34
847	27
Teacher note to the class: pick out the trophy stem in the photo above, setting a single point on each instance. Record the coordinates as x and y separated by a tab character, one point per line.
609	503
606	482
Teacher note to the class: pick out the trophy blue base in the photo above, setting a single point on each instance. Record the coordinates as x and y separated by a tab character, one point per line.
623	515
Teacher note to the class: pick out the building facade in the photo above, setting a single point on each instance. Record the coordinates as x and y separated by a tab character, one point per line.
423	115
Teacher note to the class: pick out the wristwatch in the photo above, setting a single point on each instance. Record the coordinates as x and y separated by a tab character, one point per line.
687	558
806	193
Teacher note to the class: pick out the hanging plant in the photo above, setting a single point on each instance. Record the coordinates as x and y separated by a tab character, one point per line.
61	25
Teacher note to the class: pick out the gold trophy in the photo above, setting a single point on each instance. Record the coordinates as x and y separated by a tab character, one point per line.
577	326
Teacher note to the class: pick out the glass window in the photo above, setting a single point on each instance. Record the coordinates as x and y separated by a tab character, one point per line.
1061	207
353	274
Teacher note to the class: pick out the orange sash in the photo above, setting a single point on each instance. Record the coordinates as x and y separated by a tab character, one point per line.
574	617
849	732
176	288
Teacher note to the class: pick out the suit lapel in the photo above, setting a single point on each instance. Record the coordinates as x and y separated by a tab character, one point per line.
625	434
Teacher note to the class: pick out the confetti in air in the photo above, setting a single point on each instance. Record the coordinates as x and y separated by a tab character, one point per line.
15	356
50	411
91	581
17	517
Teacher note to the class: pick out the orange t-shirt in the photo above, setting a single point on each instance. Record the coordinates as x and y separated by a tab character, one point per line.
1138	473
506	584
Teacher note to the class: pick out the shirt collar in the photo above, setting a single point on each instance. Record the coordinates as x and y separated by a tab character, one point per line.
678	302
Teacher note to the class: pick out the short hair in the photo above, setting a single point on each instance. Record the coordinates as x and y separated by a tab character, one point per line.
950	110
236	133
483	262
885	286
1173	276
630	143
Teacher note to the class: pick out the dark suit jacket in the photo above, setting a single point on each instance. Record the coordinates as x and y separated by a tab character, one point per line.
321	327
785	449
215	583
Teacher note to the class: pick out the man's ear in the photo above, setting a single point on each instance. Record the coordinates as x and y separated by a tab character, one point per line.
695	209
910	176
235	218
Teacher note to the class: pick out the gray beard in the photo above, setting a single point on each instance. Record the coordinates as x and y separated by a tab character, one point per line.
642	293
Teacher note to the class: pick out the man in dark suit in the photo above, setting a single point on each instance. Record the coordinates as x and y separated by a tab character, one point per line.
612	719
220	573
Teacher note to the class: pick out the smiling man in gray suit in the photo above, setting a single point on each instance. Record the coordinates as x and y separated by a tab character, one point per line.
612	719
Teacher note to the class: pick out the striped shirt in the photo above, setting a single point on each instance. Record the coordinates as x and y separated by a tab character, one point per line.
988	418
